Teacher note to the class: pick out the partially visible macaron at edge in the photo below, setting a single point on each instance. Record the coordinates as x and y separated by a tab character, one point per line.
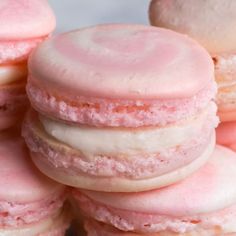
31	203
211	23
23	25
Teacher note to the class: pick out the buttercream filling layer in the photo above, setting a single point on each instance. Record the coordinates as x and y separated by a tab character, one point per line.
150	223
92	141
139	166
118	113
12	73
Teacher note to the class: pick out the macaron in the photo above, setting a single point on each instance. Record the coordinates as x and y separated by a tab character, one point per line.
202	204
226	134
30	203
23	25
211	23
120	107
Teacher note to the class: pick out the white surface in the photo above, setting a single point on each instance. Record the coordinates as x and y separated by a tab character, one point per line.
72	14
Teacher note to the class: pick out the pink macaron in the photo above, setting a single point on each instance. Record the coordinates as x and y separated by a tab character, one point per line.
202	204
212	23
120	107
30	203
23	25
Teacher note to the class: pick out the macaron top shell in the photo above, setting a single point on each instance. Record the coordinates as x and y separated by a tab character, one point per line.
20	181
210	189
122	61
211	22
23	19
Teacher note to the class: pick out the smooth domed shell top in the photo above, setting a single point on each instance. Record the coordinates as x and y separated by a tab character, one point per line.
211	22
210	189
23	19
20	181
122	61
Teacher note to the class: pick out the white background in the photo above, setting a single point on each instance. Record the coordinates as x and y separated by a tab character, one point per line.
72	14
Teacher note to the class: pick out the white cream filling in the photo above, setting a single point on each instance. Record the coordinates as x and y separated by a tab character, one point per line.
93	140
12	73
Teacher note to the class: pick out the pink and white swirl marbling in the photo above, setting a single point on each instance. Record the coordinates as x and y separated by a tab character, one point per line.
122	61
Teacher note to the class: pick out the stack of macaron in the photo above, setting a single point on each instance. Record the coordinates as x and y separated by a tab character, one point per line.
23	25
212	23
125	113
31	204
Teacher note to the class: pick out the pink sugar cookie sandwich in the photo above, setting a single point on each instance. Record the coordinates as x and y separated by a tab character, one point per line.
23	25
30	203
212	23
226	134
120	107
202	204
